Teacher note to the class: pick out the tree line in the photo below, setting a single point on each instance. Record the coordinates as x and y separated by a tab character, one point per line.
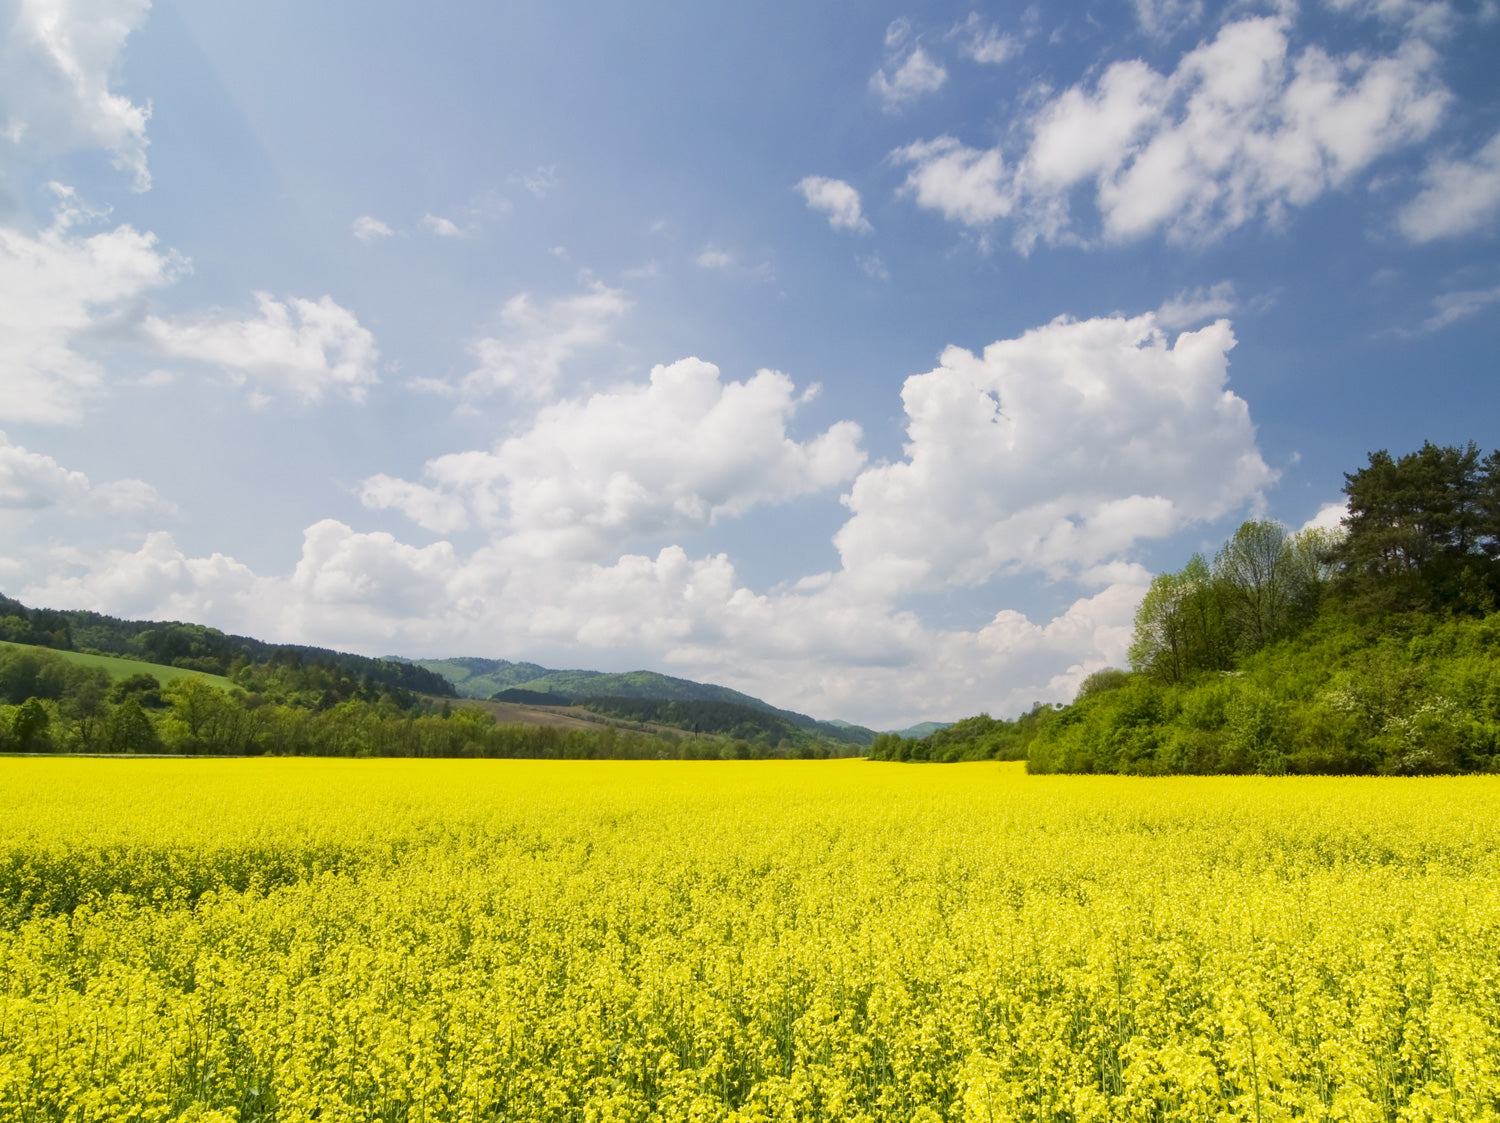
199	648
1373	648
50	704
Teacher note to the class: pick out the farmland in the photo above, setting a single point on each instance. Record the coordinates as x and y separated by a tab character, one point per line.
381	940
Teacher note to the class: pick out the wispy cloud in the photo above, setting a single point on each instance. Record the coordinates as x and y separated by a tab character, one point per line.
538	339
368	229
443	227
982	41
712	257
1459	196
1451	307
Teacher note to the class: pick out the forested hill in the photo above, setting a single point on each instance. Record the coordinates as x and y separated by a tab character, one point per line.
529	682
199	648
1370	650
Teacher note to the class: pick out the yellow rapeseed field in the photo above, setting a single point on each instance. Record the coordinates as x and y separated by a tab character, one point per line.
507	940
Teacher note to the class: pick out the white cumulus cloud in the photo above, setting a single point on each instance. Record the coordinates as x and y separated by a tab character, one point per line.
1330	516
674	454
56	287
823	651
32	482
1242	130
965	185
1054	452
157	581
56	64
836	199
306	347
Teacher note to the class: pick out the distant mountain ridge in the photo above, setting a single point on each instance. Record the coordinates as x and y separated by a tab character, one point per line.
484	678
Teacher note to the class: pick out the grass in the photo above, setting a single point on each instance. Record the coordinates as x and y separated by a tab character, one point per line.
119	668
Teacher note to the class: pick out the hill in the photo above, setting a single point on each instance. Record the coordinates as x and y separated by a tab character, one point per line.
1374	649
194	647
922	729
118	668
532	683
726	719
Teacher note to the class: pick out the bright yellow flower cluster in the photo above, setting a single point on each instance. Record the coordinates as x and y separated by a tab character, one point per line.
618	942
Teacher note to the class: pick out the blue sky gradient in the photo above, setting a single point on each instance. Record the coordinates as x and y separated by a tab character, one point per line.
869	361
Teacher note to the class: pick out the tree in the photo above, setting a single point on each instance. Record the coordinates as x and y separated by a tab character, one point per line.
129	730
1422	531
1180	625
28	726
1269	580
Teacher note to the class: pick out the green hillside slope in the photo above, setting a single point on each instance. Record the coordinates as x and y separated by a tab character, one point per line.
118	668
172	643
1373	649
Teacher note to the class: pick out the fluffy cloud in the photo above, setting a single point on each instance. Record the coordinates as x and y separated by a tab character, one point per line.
1458	197
674	454
340	568
821	651
1240	131
836	199
158	580
1054	452
55	66
430	508
31	482
56	287
307	347
1330	516
964	184
914	75
538	339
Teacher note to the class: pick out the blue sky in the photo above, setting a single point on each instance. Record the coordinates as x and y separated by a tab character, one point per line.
869	359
